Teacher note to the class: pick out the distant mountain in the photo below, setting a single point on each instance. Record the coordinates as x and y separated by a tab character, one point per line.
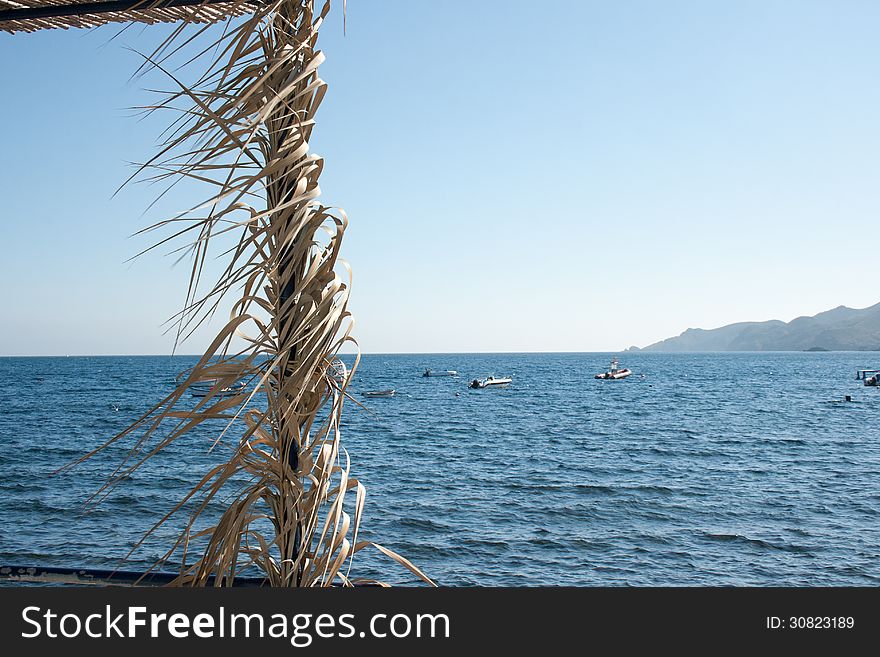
840	329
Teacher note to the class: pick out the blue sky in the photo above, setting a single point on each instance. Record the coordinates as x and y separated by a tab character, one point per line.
519	176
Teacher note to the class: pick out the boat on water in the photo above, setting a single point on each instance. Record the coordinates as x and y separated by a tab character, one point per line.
869	377
205	388
615	372
489	382
209	386
379	393
337	371
429	372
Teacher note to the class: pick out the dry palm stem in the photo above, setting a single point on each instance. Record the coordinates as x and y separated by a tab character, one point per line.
243	129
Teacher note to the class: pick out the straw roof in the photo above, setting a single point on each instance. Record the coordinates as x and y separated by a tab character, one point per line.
34	15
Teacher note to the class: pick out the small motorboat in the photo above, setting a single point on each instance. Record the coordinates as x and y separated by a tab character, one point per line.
439	373
337	371
379	393
489	382
209	386
868	377
205	388
615	372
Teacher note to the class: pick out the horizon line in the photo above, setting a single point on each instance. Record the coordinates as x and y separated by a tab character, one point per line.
468	353
363	353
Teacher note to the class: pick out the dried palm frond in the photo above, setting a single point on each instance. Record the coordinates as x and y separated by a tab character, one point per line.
243	129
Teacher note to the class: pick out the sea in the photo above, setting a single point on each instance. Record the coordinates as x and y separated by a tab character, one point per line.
745	469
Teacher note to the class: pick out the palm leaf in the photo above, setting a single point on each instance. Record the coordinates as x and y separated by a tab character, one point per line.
242	130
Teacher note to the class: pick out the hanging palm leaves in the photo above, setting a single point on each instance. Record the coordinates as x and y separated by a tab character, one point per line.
243	130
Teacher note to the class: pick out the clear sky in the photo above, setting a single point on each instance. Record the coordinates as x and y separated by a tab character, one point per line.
519	176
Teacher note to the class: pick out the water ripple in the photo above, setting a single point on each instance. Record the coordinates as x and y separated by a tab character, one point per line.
709	471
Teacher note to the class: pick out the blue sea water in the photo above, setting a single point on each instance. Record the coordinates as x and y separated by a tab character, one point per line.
712	469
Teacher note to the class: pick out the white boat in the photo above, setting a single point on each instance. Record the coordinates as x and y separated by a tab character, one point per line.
490	381
209	387
205	387
439	373
870	377
615	372
337	371
379	393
